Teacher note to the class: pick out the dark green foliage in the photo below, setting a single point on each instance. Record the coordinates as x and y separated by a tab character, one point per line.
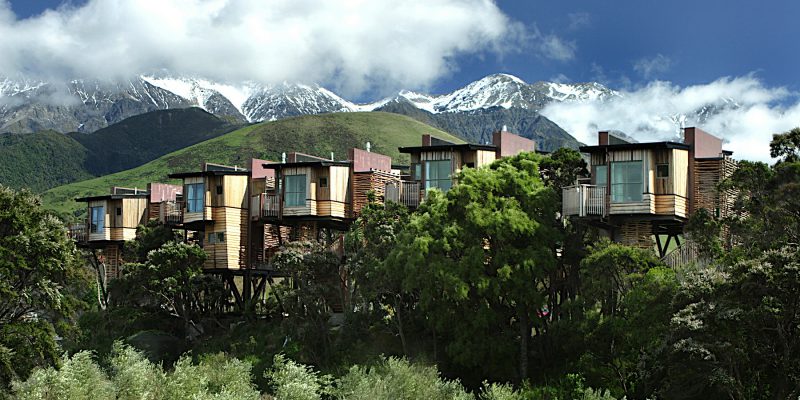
309	297
375	285
41	283
40	161
171	280
149	237
786	146
562	168
478	257
735	334
627	308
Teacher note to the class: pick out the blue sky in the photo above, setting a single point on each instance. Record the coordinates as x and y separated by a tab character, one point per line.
668	59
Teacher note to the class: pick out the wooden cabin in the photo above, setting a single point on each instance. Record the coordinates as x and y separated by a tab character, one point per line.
215	205
111	220
435	163
306	196
639	192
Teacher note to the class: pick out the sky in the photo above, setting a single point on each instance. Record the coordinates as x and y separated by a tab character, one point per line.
665	57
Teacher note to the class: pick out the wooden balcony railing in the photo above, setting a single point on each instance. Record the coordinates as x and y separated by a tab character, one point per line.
79	232
171	213
406	192
584	200
270	205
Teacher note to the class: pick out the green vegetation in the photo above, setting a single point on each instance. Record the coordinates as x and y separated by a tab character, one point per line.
39	161
43	160
41	285
314	134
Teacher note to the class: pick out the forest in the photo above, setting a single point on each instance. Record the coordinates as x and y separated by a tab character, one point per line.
483	292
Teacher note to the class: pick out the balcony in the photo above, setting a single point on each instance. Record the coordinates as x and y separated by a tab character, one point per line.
171	213
79	232
584	200
269	205
406	192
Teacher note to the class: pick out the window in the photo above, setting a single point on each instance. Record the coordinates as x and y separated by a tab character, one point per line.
119	211
601	175
437	175
662	170
216	237
195	197
416	172
219	189
295	194
470	165
626	181
98	220
323	182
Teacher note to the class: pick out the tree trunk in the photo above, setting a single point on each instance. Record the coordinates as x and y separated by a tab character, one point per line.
400	331
525	334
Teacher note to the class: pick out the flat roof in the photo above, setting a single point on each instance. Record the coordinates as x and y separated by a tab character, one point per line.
112	197
308	164
636	146
181	175
436	147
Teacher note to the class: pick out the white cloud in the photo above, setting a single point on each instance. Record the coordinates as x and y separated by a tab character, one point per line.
652	67
748	114
352	46
578	20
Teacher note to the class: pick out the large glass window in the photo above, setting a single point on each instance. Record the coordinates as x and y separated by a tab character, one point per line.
626	181
295	194
195	197
600	175
98	221
437	175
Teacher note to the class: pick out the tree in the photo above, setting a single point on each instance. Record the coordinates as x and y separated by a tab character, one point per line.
626	298
374	284
308	298
736	334
786	146
171	279
479	257
41	283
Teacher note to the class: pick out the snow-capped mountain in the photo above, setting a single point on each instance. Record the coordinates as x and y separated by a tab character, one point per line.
86	105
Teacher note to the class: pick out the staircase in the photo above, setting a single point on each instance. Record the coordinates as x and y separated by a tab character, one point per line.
685	254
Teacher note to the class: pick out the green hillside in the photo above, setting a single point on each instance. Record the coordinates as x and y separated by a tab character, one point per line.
44	160
39	161
312	134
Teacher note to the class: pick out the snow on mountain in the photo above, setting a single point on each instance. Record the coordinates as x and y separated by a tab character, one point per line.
499	90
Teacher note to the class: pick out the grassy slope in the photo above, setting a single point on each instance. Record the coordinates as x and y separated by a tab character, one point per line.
312	134
40	161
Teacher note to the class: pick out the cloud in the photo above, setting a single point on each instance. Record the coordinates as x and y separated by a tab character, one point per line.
651	67
743	111
578	20
351	46
550	46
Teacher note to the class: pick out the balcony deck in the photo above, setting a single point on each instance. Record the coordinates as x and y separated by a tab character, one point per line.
584	200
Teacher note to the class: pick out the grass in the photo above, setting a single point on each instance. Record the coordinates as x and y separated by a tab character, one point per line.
312	134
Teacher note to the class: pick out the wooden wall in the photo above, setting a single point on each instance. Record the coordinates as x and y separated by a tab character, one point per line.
232	253
334	200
